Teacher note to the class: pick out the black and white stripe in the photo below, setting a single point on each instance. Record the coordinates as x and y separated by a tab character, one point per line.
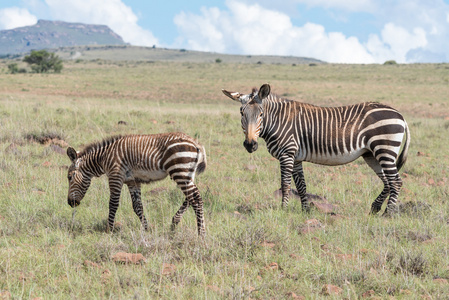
137	159
295	132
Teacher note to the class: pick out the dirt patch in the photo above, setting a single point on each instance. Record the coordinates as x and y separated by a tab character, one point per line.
47	139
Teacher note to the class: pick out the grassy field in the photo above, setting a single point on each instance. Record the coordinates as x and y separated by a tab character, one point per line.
253	248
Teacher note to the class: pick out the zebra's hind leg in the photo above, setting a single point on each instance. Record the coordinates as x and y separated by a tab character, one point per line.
194	199
395	182
374	164
135	191
298	177
178	216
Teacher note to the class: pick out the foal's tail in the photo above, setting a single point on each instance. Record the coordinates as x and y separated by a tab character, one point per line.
201	159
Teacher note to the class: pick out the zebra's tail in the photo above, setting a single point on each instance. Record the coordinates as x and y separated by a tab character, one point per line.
201	159
404	154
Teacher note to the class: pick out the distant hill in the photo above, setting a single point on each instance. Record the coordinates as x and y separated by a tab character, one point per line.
136	53
55	34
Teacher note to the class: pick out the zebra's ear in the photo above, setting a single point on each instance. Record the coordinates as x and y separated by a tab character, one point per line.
71	153
233	95
264	91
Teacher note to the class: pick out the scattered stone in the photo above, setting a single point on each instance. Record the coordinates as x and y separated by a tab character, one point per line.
272	266
105	275
37	191
368	294
296	256
267	244
89	263
13	149
127	258
440	281
250	167
404	292
154	121
310	225
170	122
213	288
324	207
168	269
292	295
244	209
329	290
46	164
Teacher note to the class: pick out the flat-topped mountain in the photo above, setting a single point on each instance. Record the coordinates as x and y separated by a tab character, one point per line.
55	34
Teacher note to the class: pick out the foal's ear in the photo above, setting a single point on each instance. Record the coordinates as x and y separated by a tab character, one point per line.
264	91
71	153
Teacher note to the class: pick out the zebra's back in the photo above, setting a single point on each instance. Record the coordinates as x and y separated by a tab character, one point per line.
339	135
147	158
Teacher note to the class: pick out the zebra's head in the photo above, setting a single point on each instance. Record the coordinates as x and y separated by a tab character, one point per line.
79	182
252	114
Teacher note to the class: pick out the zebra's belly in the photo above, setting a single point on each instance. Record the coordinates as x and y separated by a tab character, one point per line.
335	160
145	176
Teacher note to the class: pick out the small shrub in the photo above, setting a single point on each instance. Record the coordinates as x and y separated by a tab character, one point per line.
413	263
13	68
390	62
218	60
43	62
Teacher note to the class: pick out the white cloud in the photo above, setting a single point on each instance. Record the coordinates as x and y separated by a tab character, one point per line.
396	42
415	31
13	17
349	5
114	13
252	29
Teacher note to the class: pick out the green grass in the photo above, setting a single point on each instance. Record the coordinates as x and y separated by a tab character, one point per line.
44	249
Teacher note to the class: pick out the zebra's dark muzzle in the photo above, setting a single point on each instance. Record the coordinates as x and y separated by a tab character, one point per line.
251	146
73	203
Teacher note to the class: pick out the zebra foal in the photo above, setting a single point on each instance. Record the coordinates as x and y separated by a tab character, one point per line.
295	132
137	159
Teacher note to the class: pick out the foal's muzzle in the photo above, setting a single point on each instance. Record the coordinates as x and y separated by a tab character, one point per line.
73	203
250	146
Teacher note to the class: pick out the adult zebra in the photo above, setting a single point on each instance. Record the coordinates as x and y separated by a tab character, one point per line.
137	159
297	132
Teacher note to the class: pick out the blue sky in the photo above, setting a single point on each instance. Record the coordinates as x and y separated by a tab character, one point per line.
340	31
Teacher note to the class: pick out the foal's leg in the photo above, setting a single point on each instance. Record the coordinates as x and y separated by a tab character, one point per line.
115	189
135	191
194	199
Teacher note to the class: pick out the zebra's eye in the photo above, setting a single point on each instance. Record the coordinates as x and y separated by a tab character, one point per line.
69	177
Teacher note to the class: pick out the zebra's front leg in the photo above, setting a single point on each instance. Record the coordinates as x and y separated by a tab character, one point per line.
298	177
135	191
115	188
286	177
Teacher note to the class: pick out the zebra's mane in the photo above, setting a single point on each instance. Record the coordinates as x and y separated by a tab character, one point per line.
98	145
